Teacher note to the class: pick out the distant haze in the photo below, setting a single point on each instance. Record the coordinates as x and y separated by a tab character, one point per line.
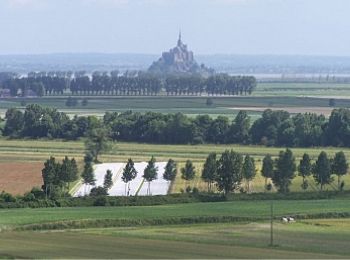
304	27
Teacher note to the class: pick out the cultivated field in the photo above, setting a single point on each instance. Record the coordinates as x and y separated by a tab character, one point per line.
20	177
22	151
267	95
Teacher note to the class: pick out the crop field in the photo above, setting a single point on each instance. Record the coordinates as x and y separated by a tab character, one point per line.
303	239
29	151
20	177
267	95
303	89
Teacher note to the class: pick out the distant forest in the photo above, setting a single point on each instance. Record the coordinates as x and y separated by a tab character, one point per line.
274	128
131	83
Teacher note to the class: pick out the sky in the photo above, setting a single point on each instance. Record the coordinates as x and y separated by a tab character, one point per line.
292	27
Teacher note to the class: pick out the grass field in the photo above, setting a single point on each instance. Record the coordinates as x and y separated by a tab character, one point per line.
325	238
12	218
249	240
302	89
37	151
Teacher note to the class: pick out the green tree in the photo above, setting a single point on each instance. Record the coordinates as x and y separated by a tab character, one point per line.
209	172
84	102
339	166
129	173
305	170
229	171
322	170
150	173
170	170
14	122
88	172
69	171
284	172
188	172
49	175
108	182
97	142
209	102
239	131
267	168
248	170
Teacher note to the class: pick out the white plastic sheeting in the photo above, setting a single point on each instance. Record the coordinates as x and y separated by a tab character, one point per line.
137	186
158	186
100	171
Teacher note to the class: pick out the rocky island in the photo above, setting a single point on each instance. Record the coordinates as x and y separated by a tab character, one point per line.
179	60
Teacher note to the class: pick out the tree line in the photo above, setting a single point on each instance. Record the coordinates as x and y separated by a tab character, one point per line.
274	128
231	172
134	84
232	169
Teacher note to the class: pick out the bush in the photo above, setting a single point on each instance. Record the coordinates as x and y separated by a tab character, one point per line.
209	102
29	197
84	102
195	190
7	197
269	187
98	191
101	201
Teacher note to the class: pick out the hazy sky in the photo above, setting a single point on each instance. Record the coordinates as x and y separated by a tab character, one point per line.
151	26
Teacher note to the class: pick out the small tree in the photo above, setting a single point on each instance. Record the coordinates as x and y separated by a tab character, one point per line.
69	171
49	175
322	170
84	102
108	182
209	102
97	142
284	172
88	172
305	170
267	168
339	166
150	173
188	172
248	170
209	172
170	170
129	173
229	171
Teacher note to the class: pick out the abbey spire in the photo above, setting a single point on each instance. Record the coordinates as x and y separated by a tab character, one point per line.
179	42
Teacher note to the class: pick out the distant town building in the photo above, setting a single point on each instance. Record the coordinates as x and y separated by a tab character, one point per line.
178	60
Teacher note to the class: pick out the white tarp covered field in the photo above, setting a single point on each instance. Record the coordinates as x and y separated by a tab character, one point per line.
137	186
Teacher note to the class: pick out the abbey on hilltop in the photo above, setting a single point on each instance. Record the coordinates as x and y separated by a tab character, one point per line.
178	60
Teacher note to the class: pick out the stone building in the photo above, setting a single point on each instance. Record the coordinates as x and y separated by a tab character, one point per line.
178	60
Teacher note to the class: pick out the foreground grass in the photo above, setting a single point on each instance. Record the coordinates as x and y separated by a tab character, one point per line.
16	218
311	239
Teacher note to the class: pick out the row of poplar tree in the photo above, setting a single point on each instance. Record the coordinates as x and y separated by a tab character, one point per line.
282	170
227	173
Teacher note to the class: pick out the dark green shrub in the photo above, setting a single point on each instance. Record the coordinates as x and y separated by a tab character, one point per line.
101	201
